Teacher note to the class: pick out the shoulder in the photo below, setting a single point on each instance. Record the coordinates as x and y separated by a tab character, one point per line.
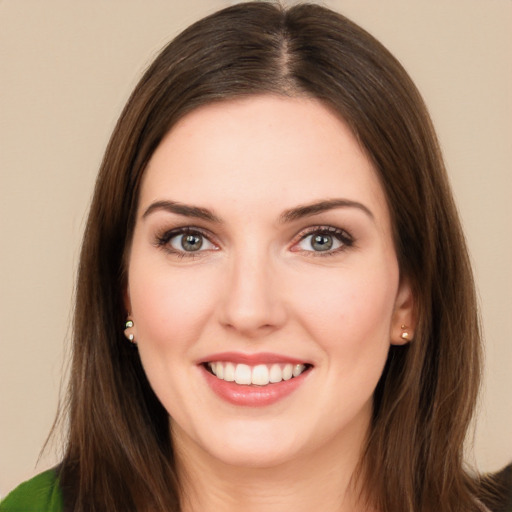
39	494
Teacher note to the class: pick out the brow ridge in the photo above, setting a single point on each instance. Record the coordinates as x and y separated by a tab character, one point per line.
287	216
317	207
182	209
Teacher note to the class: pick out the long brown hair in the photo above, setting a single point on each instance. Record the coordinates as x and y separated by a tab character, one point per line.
119	455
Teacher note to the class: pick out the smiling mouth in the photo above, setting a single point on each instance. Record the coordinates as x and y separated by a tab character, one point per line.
258	375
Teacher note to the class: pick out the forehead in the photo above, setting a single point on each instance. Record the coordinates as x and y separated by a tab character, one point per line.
263	150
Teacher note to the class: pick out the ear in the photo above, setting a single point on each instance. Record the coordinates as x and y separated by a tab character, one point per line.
129	331
403	323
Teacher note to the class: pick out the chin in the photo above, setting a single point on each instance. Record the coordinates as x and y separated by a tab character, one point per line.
248	444
255	456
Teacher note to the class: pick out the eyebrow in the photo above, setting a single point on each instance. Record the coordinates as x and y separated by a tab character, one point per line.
182	209
290	215
315	208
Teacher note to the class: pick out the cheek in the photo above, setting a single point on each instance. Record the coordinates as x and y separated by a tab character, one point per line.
167	305
346	310
170	311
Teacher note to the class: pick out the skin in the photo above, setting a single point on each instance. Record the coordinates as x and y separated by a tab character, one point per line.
258	285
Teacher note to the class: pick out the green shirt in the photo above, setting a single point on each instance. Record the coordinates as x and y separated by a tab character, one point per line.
40	494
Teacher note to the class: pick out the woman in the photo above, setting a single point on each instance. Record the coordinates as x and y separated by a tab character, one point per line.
273	228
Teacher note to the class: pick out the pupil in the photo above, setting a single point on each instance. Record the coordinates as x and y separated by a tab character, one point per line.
321	242
191	242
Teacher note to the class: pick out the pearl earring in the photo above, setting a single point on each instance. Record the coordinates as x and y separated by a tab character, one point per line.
129	335
405	334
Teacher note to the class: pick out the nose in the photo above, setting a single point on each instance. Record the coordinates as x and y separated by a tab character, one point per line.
252	303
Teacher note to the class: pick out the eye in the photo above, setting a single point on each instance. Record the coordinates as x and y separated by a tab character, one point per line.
327	240
185	240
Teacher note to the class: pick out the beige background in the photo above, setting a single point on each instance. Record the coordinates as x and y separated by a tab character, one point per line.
66	69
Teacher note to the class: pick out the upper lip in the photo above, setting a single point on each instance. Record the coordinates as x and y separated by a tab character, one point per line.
252	359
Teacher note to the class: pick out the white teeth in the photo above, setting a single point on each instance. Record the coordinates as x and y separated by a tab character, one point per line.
242	374
229	372
259	375
276	374
298	369
287	372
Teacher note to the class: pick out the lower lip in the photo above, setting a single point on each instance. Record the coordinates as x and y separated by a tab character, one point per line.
252	395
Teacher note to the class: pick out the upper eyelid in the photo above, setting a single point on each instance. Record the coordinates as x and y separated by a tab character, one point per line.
168	234
307	230
323	229
185	229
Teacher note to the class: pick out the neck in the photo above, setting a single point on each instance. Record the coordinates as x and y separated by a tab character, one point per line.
323	480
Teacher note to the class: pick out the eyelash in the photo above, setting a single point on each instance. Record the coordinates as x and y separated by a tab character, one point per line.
162	241
345	238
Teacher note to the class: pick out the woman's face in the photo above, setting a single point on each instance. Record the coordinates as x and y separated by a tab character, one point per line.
262	252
